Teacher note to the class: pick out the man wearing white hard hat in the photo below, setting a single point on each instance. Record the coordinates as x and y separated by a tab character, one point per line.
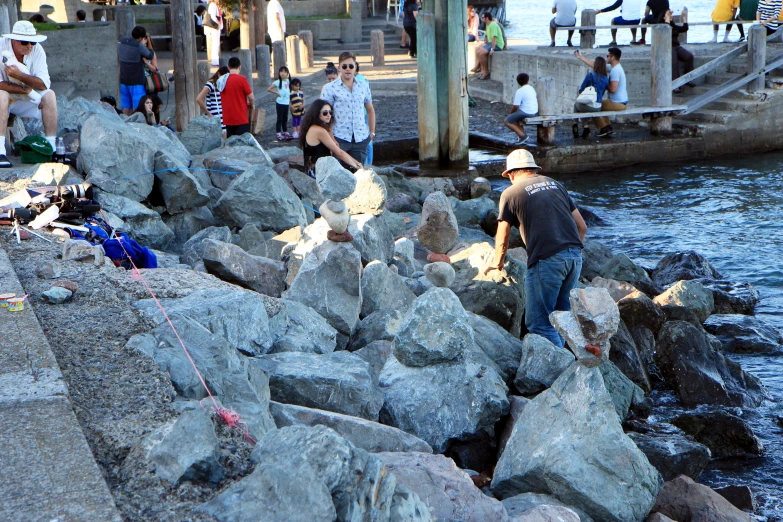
24	89
553	231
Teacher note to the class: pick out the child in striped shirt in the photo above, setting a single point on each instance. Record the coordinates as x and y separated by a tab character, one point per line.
297	105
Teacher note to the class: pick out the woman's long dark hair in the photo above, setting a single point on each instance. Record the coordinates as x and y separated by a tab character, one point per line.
599	66
311	118
220	72
140	108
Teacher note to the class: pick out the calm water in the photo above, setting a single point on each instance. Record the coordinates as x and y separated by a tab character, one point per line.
730	211
530	20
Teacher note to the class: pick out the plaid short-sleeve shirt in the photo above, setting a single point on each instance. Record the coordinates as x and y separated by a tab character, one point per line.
348	108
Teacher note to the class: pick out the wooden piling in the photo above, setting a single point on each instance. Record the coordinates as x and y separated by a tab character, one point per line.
306	49
278	56
259	24
661	77
5	20
262	64
246	29
587	38
11	5
126	21
442	73
458	81
294	61
167	18
545	92
377	47
183	47
757	56
429	141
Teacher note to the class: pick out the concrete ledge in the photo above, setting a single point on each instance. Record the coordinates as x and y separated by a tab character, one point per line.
49	471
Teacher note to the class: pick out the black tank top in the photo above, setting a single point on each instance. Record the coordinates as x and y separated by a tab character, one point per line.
313	154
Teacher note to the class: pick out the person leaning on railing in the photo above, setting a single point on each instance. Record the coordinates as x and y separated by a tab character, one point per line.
768	14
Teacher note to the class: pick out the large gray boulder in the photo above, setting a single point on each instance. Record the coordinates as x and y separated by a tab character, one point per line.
726	435
673	454
732	297
231	263
260	197
438	229
376	354
334	181
382	325
625	355
193	249
690	294
202	134
498	344
683	266
382	289
232	380
71	114
447	490
307	474
404	257
540	364
701	375
625	394
620	267
526	502
187	224
369	196
295	327
185	448
341	382
684	499
223	171
362	433
569	443
744	334
144	225
329	282
443	402
181	190
116	157
472	211
238	316
435	330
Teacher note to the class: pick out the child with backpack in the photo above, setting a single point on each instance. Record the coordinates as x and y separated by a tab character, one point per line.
282	87
297	105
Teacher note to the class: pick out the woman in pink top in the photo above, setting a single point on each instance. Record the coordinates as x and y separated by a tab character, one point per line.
473	24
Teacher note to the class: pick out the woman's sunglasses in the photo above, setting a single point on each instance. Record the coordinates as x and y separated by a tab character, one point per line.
326	113
347	66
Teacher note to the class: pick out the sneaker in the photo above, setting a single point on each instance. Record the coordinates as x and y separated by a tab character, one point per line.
521	140
4	163
606	131
295	135
714	40
741	39
569	44
639	42
552	44
279	137
613	44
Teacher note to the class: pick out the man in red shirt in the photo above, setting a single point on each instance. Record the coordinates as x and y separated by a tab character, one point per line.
237	98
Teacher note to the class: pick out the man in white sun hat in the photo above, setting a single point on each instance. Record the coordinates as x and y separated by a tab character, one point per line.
552	229
25	93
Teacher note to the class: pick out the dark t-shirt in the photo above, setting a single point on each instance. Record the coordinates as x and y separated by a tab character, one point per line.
658	8
408	18
542	208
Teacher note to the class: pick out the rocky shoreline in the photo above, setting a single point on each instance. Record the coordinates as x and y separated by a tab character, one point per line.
377	385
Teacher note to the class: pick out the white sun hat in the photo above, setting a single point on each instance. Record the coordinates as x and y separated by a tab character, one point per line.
24	31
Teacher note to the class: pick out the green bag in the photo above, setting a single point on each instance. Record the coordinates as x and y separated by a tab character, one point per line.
35	149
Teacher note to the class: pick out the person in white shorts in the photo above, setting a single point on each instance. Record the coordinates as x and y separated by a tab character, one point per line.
25	86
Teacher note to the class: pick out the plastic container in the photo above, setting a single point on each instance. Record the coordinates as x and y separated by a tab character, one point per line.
16	304
4	299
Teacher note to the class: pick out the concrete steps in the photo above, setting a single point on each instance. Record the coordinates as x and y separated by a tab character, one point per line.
708	116
491	90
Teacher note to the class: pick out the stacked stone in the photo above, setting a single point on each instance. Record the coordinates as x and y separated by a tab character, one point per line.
438	231
588	326
336	184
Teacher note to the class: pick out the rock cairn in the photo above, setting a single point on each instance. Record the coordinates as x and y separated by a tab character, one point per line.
588	326
336	184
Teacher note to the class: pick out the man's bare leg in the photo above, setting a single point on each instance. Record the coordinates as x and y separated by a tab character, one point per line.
4	102
49	113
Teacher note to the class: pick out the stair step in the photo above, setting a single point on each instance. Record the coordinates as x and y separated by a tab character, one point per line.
489	90
708	116
734	106
720	78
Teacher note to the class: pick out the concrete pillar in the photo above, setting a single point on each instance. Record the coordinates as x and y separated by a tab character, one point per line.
278	54
292	51
5	21
377	47
458	82
587	38
429	140
545	92
262	64
353	29
661	76
223	61
306	48
126	21
13	17
757	55
246	58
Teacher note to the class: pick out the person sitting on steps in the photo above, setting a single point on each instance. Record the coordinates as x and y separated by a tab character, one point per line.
629	15
679	53
618	92
495	42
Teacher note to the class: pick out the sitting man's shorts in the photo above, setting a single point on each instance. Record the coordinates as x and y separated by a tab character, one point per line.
517	117
553	25
650	19
130	95
622	21
488	47
25	108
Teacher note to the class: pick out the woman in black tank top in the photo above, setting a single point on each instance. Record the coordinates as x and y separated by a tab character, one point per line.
316	139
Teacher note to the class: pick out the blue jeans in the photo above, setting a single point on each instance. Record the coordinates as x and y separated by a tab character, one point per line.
369	153
547	285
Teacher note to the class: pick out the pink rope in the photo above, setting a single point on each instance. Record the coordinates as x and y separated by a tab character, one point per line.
230	417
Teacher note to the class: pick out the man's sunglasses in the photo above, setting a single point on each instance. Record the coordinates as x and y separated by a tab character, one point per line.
26	43
347	66
326	113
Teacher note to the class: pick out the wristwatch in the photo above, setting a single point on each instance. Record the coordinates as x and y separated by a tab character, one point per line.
372	134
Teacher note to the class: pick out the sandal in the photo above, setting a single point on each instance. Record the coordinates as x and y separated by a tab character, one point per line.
575	130
678	90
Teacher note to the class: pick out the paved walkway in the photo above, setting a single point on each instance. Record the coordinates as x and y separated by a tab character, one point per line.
48	469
